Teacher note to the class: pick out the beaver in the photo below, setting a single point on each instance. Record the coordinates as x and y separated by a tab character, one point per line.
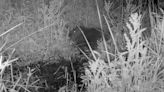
92	35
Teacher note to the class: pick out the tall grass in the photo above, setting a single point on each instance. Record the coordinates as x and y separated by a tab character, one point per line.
9	82
53	42
140	69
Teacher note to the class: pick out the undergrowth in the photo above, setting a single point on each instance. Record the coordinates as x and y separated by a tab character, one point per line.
136	70
127	62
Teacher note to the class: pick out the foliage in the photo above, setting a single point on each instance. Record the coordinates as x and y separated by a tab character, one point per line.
36	30
134	70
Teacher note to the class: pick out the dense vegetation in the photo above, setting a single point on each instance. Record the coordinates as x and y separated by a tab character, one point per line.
41	51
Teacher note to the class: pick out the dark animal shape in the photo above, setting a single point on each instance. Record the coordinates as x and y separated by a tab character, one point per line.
92	35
